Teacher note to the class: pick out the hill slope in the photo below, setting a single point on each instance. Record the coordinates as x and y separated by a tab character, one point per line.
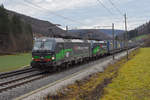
91	33
39	26
109	31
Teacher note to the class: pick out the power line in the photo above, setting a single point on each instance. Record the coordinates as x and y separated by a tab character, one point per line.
66	18
138	20
117	9
108	10
61	16
139	17
100	2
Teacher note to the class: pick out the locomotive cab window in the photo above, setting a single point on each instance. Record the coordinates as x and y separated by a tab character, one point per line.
43	45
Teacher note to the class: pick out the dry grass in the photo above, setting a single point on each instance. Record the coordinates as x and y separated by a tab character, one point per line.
133	80
90	88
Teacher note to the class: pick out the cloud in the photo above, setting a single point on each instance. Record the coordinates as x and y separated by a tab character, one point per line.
56	5
36	8
88	12
101	22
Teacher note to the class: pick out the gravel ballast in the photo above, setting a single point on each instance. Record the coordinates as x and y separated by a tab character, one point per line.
59	80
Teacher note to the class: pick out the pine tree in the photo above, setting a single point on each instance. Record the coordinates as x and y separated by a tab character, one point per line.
4	21
16	25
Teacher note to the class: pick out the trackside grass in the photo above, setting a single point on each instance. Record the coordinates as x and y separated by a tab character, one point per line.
90	88
141	37
133	80
13	62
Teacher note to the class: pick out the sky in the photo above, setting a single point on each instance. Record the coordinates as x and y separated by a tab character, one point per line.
79	14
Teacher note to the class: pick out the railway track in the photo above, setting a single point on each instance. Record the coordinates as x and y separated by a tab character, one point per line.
16	82
15	73
10	80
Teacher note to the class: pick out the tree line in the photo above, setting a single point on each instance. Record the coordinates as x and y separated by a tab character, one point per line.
141	30
12	24
16	32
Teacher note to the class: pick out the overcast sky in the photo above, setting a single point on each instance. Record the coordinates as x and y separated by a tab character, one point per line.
84	13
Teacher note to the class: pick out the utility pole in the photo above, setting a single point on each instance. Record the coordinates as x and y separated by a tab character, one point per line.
126	35
113	34
67	29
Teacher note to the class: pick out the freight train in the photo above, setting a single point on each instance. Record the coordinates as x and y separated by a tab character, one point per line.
55	53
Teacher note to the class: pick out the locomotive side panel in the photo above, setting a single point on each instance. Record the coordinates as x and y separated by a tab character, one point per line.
96	48
59	53
79	50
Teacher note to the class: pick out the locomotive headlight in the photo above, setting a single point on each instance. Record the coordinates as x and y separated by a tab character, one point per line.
53	58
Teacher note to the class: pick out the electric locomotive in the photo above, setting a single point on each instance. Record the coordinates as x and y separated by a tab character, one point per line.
53	52
43	53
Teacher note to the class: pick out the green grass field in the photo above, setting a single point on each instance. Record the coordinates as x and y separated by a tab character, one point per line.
133	80
140	37
13	62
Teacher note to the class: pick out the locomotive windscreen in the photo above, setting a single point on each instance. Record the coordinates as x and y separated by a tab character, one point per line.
43	45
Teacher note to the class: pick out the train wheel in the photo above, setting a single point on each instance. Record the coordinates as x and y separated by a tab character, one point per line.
58	69
73	63
67	66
